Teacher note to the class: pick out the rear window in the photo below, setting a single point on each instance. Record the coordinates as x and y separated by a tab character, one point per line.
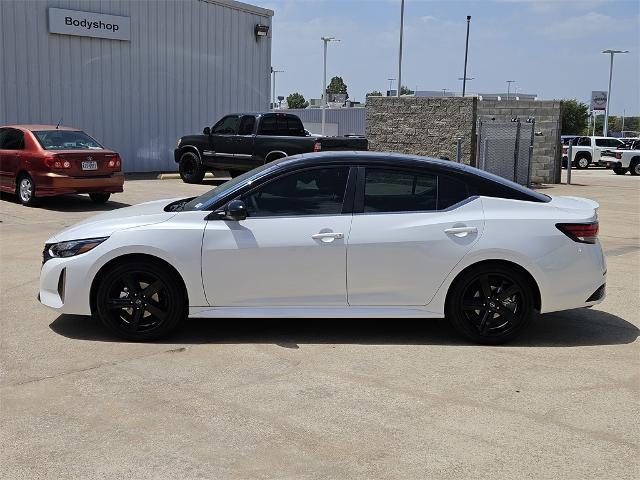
283	125
66	140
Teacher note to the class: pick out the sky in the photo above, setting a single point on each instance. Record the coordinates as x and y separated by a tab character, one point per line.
551	48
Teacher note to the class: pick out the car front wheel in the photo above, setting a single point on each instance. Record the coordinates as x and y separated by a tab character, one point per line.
191	170
490	304
140	301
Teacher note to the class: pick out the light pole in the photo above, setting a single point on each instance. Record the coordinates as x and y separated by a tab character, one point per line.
605	129
444	92
325	40
464	79
400	51
466	52
391	80
509	82
273	87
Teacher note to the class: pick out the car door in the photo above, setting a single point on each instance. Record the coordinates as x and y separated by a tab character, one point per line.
600	145
289	251
409	230
11	150
223	139
242	145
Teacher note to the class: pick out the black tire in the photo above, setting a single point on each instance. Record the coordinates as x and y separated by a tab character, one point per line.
191	170
582	162
26	190
140	301
634	167
490	304
99	197
619	170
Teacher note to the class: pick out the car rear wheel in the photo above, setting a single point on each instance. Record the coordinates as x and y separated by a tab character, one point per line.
26	190
634	168
582	162
99	197
191	170
490	304
140	301
619	170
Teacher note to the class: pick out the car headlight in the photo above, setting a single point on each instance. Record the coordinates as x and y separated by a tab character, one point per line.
70	248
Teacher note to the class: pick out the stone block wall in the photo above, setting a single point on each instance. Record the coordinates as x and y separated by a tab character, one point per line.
547	152
426	126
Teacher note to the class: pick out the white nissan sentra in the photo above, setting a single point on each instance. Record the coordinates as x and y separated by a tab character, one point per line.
348	234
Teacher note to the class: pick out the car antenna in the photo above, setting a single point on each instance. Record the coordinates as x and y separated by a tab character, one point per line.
59	122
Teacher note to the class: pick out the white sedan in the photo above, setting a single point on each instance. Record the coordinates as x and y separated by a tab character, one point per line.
334	235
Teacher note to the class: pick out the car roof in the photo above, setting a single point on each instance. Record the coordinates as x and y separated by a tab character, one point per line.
36	127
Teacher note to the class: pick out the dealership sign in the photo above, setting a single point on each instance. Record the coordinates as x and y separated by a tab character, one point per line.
598	101
88	24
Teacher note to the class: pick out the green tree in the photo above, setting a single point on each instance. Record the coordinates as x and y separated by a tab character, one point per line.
404	90
375	93
575	116
337	85
296	100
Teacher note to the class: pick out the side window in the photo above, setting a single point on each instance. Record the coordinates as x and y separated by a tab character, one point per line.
602	142
319	191
268	126
246	125
616	143
451	191
584	142
398	191
227	126
294	126
11	139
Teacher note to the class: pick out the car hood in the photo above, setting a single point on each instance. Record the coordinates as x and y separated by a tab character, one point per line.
105	224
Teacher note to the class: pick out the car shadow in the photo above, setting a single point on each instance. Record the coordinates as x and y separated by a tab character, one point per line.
573	328
68	203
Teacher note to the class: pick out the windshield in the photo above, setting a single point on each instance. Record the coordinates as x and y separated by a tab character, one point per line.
213	196
66	140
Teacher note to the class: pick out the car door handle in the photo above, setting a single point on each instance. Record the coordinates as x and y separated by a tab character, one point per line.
461	231
327	236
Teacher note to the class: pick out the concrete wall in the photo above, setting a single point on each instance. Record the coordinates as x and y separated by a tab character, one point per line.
422	126
187	64
545	167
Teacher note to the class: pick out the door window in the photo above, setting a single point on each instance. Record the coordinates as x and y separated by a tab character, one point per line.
246	125
268	126
318	191
227	126
399	191
583	142
11	139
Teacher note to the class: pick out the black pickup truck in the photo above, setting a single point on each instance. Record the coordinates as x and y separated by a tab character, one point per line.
243	141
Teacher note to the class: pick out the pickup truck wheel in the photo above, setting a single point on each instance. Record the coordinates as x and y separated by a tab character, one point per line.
619	170
582	162
191	170
634	168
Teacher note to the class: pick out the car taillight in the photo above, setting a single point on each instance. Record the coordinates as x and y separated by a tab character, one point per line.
618	155
57	163
580	232
115	163
317	146
565	150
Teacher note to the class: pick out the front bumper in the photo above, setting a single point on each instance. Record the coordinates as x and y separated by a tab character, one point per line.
49	183
64	286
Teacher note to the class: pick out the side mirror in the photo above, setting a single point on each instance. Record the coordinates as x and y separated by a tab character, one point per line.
206	131
235	210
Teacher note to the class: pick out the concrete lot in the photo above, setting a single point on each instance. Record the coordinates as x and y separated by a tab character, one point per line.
319	399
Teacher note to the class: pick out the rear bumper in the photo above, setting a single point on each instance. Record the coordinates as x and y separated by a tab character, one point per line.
49	183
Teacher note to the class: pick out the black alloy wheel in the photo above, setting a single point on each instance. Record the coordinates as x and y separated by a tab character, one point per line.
491	305
140	301
191	170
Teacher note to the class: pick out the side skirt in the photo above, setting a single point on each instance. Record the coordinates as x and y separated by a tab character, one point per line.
312	312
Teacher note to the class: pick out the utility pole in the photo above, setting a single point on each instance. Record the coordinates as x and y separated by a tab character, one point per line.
400	51
509	82
273	87
466	52
324	78
605	129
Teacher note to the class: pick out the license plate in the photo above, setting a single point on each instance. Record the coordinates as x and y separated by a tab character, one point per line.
89	165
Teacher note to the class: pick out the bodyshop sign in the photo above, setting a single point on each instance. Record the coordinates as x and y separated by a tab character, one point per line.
598	100
89	24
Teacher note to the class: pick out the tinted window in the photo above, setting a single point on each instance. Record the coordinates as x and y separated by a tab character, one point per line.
227	126
398	191
450	191
583	142
318	191
246	125
268	126
602	142
11	139
294	126
66	140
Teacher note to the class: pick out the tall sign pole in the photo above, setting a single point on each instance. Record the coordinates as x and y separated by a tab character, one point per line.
466	52
400	51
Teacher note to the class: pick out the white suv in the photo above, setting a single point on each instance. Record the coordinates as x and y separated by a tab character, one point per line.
588	150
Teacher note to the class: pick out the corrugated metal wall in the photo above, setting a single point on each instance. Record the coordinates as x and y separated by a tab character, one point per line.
188	63
349	120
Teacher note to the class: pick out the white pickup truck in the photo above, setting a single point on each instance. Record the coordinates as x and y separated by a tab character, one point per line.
588	150
625	159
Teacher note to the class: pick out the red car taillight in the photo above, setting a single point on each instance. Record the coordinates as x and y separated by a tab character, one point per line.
115	163
618	155
317	146
57	162
565	150
580	232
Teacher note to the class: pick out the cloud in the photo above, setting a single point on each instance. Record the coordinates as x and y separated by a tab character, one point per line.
591	23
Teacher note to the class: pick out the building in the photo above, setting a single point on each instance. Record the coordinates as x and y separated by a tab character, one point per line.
480	96
134	74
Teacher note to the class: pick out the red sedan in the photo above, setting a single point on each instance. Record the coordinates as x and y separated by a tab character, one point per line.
44	160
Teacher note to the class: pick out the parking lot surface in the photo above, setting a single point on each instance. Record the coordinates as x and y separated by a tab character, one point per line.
404	399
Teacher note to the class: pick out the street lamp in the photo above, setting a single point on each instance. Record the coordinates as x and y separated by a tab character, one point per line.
391	80
444	92
509	82
273	87
605	129
464	82
466	52
324	77
400	51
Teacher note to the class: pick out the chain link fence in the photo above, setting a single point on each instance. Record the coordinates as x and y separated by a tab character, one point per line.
506	149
